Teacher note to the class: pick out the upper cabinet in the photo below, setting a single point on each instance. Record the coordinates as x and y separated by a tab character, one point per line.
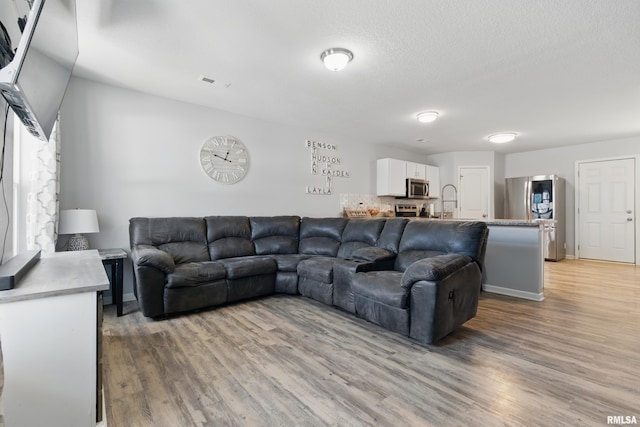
416	170
392	175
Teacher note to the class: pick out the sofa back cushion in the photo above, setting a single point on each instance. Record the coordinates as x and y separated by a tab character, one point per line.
391	234
426	238
229	236
182	238
275	235
359	233
321	236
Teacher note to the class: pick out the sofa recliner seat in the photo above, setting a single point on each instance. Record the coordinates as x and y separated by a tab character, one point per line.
420	278
431	264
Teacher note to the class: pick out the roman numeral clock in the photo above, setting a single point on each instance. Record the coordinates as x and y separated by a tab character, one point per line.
225	159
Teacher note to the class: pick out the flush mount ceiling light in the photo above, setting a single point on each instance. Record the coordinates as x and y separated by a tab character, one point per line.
336	58
501	138
427	116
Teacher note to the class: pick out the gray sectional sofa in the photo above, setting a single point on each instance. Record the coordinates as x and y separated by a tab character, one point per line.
420	278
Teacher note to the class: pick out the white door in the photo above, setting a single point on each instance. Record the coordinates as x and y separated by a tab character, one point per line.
606	218
473	190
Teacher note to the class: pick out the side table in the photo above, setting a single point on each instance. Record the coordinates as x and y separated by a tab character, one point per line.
115	259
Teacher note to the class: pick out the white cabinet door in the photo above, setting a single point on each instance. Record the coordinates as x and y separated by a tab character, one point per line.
391	176
473	189
49	350
416	170
433	176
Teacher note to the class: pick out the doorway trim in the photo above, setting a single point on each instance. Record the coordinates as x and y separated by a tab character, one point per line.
636	196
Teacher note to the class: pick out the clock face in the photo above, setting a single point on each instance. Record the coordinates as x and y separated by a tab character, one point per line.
225	159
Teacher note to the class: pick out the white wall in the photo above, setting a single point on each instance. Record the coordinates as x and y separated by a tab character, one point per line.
561	161
128	154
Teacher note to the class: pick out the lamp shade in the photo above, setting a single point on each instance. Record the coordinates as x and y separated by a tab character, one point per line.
78	221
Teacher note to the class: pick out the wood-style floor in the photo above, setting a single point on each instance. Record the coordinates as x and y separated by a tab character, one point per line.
572	359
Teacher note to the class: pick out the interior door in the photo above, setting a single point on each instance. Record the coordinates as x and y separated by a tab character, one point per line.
606	217
473	189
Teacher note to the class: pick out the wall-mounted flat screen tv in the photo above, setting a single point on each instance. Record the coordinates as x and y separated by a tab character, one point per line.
35	80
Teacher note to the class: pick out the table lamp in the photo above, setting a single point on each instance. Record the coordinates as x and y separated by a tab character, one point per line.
76	222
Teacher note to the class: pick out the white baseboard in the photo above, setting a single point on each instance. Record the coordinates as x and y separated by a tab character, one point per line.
513	292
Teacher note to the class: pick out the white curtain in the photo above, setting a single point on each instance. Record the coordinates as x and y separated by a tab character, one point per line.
42	199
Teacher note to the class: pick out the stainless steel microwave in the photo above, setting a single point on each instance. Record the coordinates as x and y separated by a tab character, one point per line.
417	188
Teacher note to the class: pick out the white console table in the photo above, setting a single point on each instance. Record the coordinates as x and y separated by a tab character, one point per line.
49	333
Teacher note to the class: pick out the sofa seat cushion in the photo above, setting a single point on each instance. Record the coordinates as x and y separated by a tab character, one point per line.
289	262
382	286
318	268
248	266
195	274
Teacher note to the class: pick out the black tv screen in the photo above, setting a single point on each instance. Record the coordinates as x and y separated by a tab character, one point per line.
36	78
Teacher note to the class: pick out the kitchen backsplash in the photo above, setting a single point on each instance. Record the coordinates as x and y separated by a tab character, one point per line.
370	201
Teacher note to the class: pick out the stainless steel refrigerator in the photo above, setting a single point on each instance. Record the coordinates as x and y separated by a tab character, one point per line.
539	198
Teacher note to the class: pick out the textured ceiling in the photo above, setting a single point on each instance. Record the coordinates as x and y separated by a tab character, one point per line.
558	72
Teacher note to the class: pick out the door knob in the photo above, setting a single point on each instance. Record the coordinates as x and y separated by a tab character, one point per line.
629	219
629	211
484	215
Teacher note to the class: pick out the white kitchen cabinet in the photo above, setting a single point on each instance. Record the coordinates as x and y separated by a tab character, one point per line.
391	175
433	176
416	170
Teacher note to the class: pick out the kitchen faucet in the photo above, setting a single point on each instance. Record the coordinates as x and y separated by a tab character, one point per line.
444	200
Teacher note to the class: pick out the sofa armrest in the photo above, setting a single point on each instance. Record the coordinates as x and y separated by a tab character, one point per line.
433	269
440	307
150	256
372	254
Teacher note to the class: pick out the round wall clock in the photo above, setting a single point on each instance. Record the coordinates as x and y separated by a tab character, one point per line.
225	159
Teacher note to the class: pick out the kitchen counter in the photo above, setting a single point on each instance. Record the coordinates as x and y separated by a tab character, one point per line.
519	222
509	222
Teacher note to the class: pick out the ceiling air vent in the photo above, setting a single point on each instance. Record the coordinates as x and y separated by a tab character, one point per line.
206	79
211	81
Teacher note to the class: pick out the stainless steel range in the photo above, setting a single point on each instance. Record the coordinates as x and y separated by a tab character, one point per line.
403	209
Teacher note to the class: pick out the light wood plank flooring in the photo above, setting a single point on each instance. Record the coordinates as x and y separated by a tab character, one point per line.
572	359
